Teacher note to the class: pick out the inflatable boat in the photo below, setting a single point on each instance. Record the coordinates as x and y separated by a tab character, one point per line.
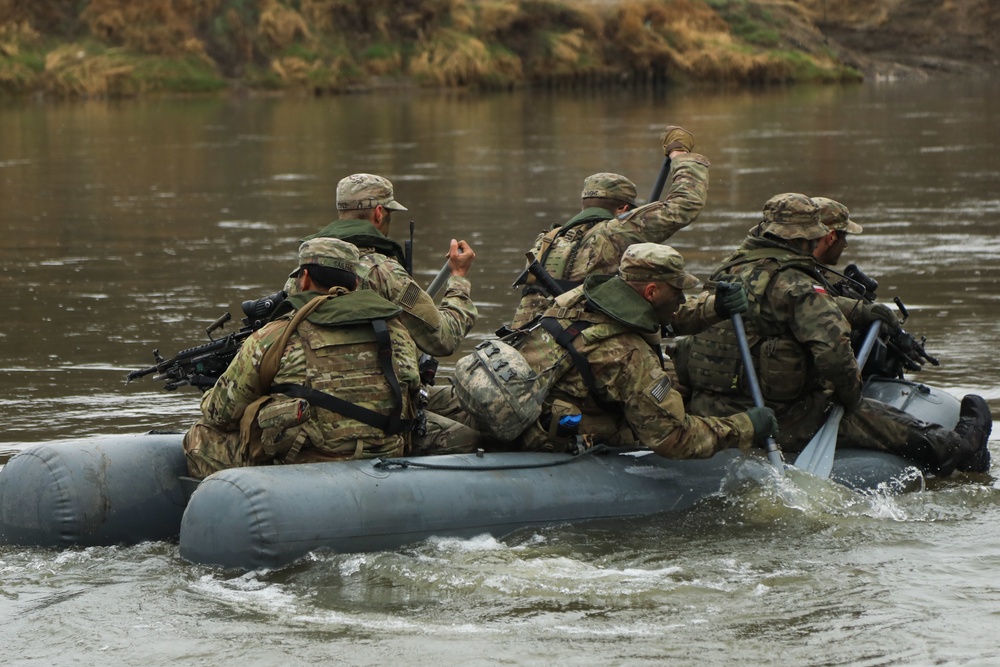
130	489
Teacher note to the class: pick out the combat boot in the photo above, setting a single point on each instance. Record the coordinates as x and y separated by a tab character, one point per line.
974	425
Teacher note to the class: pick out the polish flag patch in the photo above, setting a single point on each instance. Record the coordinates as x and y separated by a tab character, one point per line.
819	289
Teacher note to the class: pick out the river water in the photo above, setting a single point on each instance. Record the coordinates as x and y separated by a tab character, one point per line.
131	226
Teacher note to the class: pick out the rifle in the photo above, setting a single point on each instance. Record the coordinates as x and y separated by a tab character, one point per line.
896	350
543	279
202	365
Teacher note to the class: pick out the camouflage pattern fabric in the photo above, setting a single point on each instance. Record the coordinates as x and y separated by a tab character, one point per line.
645	409
597	248
340	360
436	330
791	305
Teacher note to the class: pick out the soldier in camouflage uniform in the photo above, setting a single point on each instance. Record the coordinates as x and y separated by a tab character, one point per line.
591	346
593	241
334	379
799	338
365	203
837	219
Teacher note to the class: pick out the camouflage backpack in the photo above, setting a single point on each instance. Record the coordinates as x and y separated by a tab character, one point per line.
496	385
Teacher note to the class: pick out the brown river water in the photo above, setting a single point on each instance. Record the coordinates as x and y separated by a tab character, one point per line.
131	226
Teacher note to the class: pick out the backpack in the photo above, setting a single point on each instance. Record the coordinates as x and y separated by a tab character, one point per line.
497	387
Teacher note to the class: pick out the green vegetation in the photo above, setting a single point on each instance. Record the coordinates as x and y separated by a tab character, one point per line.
114	48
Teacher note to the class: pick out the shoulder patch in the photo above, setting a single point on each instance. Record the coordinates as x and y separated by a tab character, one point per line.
410	296
660	390
819	289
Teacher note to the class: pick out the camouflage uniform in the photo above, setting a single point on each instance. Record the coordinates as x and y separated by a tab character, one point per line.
437	330
593	241
332	350
634	401
800	343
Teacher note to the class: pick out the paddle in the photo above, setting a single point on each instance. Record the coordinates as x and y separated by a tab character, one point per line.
439	280
817	457
773	453
661	180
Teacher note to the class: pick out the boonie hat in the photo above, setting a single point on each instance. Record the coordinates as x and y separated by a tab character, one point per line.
606	185
359	192
654	262
836	216
793	216
326	251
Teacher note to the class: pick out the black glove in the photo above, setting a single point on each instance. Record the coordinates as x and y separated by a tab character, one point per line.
730	299
765	425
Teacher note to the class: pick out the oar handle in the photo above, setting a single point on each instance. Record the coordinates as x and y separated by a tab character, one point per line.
439	280
661	180
773	453
869	343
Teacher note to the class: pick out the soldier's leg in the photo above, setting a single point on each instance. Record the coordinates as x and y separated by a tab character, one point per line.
446	436
442	401
210	450
875	425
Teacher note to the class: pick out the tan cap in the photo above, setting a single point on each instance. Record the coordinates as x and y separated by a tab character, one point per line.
653	262
359	192
609	186
836	216
793	216
326	251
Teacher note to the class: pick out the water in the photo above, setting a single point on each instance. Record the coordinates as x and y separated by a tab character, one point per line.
132	226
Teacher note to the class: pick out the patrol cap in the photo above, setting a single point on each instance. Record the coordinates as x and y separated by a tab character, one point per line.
359	192
326	251
835	215
793	216
606	185
654	262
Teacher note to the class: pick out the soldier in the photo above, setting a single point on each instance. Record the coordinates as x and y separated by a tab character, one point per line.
365	204
837	219
594	240
334	379
799	338
606	381
859	313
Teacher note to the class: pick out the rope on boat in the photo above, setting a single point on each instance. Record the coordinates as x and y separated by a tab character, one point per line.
384	463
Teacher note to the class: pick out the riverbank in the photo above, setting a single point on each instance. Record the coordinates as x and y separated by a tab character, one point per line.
124	48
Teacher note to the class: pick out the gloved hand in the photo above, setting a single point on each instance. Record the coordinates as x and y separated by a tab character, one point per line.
879	312
730	299
765	425
676	138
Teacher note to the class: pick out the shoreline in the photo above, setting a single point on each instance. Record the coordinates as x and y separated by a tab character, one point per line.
129	48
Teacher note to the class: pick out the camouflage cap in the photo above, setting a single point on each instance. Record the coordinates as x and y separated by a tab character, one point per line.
358	192
836	216
609	186
326	251
793	216
653	262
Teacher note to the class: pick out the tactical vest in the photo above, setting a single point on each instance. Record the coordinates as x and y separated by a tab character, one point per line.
348	405
558	248
711	361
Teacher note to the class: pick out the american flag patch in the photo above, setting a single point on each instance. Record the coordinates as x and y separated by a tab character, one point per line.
659	390
819	289
409	296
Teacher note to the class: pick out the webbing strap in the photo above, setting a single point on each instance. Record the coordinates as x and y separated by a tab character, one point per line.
321	399
392	423
565	339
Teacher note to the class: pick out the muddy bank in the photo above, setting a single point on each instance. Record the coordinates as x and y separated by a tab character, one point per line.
118	48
